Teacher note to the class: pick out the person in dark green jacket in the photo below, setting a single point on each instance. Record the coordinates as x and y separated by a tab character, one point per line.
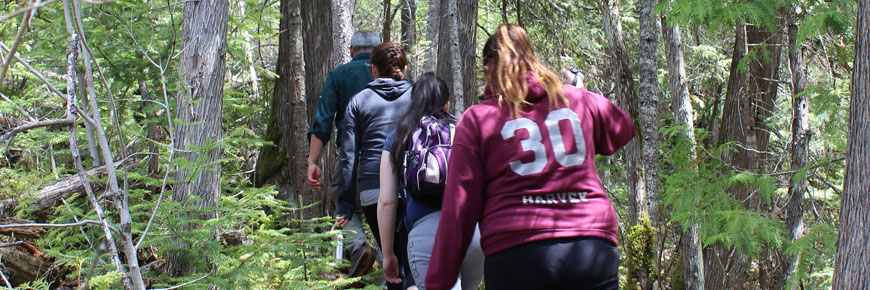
341	84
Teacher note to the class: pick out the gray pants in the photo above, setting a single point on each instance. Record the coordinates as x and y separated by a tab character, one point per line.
421	239
354	236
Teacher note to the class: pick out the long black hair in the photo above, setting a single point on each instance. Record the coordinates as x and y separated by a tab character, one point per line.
428	97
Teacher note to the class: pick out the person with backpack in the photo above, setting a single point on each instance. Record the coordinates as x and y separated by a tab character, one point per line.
414	161
370	115
340	85
523	166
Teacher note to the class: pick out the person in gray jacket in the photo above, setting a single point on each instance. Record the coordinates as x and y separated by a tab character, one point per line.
370	116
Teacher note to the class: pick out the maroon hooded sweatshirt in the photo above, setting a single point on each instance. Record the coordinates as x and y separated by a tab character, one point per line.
529	177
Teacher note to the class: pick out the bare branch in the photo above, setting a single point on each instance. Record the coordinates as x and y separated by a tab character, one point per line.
34	125
25	9
6	280
21	28
185	283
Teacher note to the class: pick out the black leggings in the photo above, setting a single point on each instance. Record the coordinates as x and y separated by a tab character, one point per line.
566	263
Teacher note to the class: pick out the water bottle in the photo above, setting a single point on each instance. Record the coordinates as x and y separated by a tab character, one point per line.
339	247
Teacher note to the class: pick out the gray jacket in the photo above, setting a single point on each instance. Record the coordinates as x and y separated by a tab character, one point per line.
370	116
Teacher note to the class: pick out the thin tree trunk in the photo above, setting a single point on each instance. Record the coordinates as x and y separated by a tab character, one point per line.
342	30
690	246
648	103
433	23
852	269
627	99
649	120
315	36
388	21
800	135
409	35
199	136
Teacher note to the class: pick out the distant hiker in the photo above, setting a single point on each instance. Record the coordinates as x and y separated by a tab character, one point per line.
370	116
522	165
340	85
425	130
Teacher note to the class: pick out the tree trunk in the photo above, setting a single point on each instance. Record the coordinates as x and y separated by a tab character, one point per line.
342	30
318	38
388	21
283	163
749	102
852	269
456	50
690	246
627	100
199	136
648	102
649	120
800	135
433	23
409	35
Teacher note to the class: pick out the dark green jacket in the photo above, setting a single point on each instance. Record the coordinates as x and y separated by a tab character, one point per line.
340	86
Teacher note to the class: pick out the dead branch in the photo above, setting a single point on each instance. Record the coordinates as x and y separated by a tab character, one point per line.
134	277
25	9
49	195
19	232
25	21
34	125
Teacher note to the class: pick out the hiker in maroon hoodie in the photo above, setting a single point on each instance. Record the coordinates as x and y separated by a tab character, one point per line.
523	165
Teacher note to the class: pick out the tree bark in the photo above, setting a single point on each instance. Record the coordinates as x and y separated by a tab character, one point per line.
199	136
648	103
800	135
409	35
318	55
456	45
649	119
749	102
627	100
433	24
690	246
284	163
852	268
342	30
388	21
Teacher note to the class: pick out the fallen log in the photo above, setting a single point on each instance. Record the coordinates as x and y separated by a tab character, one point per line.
23	262
50	195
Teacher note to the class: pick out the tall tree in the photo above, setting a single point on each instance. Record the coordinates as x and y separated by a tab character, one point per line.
199	136
318	56
690	242
852	269
800	135
648	103
342	30
749	102
456	45
283	163
388	21
409	34
627	99
433	21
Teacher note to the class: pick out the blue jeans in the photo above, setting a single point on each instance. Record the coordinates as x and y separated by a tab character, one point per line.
421	239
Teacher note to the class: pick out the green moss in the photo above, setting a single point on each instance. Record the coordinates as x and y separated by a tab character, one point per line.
640	250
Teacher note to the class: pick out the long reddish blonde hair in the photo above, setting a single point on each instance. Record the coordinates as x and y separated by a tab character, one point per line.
508	55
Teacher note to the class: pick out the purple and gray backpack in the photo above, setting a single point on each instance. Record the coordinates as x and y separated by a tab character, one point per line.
425	167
